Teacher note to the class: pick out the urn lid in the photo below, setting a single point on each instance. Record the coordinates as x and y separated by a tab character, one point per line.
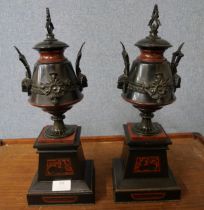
50	43
153	41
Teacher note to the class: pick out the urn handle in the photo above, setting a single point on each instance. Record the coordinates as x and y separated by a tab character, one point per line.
27	81
81	77
176	57
122	80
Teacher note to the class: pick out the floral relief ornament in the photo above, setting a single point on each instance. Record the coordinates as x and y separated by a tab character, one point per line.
158	88
54	89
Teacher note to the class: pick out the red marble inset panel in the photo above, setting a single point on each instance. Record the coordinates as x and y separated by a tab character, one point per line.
60	199
147	164
59	167
148	196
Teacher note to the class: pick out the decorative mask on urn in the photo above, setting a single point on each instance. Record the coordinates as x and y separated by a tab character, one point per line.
152	80
54	86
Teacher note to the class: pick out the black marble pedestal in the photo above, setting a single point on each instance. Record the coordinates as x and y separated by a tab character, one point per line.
62	159
142	173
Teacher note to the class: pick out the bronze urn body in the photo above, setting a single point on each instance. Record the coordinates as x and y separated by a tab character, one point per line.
54	86
142	172
152	80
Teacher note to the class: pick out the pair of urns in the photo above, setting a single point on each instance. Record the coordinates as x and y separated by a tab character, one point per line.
54	86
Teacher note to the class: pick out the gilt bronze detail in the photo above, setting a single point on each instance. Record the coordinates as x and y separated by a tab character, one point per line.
54	89
157	89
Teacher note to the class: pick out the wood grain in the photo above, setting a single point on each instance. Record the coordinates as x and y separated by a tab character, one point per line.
186	158
112	138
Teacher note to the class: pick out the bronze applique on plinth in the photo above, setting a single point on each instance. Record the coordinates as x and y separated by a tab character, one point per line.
55	88
142	172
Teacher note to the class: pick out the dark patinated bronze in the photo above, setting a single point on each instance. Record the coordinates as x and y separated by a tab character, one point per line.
55	87
148	85
151	82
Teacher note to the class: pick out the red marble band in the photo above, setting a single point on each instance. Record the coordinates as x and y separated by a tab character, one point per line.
151	56
51	56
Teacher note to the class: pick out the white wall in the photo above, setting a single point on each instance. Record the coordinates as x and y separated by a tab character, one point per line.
102	24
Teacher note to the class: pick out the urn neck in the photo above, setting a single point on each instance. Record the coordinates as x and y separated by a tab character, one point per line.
151	56
51	56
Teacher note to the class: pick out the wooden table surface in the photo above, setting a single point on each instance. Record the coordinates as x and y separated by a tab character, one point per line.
186	157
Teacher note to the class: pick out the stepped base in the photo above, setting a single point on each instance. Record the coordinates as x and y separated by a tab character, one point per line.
82	191
143	189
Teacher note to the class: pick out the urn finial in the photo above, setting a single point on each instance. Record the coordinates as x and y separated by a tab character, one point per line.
49	24
154	22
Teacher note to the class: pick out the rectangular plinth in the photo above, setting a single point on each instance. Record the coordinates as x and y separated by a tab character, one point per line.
60	160
82	191
142	189
43	143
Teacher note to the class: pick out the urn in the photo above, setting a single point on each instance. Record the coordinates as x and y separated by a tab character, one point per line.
152	80
54	86
142	172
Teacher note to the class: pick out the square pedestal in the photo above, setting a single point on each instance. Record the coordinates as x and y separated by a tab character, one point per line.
143	189
82	191
142	173
62	159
